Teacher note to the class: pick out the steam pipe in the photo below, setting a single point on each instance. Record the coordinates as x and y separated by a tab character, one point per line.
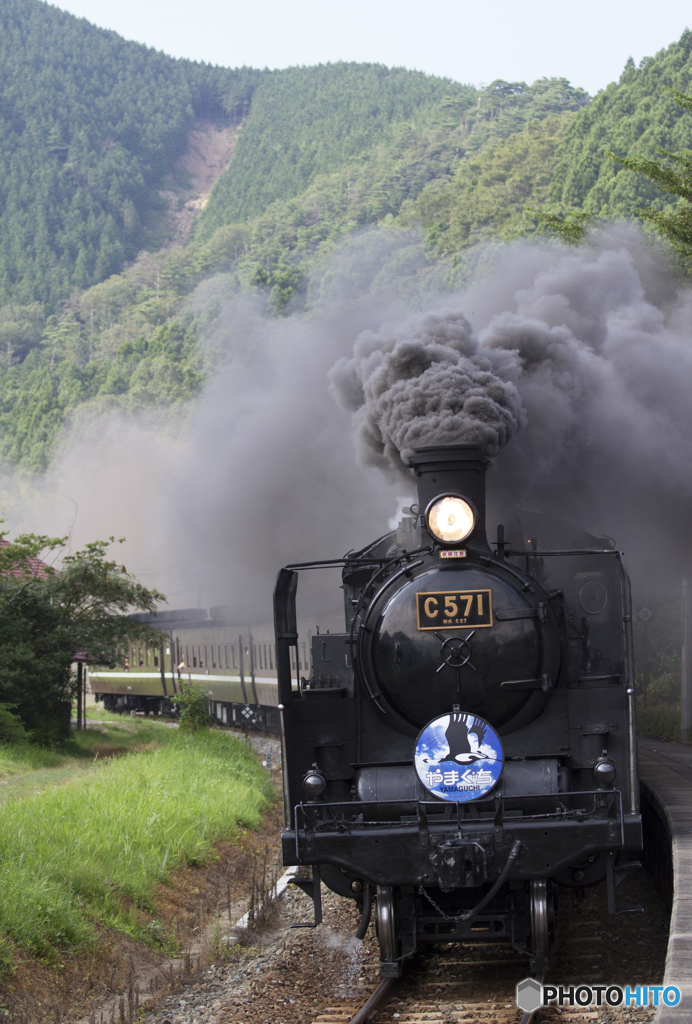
362	928
513	854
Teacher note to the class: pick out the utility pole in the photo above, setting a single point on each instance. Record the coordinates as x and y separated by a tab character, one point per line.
80	694
686	688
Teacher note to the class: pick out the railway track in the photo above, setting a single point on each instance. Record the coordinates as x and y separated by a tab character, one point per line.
325	976
440	987
476	983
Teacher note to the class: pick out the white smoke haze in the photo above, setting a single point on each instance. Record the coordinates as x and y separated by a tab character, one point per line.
575	365
113	479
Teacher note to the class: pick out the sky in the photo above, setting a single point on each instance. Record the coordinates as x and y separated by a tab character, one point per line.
587	43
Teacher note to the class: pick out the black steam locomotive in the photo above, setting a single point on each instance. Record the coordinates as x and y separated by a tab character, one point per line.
467	744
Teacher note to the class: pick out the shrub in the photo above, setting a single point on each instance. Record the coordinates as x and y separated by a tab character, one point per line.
659	723
11	728
194	709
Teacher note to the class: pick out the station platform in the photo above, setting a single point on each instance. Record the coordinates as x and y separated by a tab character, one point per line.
665	771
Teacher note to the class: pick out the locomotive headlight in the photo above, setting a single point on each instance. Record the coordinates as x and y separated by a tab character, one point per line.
314	783
450	519
604	772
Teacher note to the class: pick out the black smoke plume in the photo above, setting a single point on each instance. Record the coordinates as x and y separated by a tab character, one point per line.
425	382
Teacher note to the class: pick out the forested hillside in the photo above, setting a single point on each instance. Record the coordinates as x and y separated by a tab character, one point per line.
633	116
309	122
95	309
89	126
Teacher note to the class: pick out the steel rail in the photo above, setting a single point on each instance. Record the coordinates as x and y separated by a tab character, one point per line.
369	1008
529	1015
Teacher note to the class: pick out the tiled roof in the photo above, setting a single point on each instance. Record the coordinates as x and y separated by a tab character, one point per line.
38	569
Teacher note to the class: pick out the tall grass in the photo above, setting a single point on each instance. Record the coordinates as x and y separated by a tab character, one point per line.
18	758
25	757
69	856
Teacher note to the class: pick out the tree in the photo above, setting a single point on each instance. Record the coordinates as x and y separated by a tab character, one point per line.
49	614
676	180
570	226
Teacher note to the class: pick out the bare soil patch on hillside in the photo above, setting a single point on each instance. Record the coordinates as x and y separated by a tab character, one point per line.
209	152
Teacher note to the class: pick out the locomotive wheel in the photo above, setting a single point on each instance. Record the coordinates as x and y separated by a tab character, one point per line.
542	925
386	927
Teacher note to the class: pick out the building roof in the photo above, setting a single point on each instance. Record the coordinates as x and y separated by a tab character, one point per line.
38	569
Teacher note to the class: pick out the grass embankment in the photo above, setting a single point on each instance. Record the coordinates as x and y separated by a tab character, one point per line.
91	851
26	770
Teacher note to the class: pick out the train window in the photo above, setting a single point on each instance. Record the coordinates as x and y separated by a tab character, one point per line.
206	658
271	656
194	658
213	658
156	661
224	715
187	655
266	663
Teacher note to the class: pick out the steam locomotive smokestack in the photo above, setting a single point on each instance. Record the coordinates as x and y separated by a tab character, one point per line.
453	469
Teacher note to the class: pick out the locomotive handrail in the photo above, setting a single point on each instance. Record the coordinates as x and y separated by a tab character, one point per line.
629	679
345	560
337	561
568	551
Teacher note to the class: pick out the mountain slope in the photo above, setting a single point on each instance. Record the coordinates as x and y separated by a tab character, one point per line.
632	116
310	122
89	126
319	152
